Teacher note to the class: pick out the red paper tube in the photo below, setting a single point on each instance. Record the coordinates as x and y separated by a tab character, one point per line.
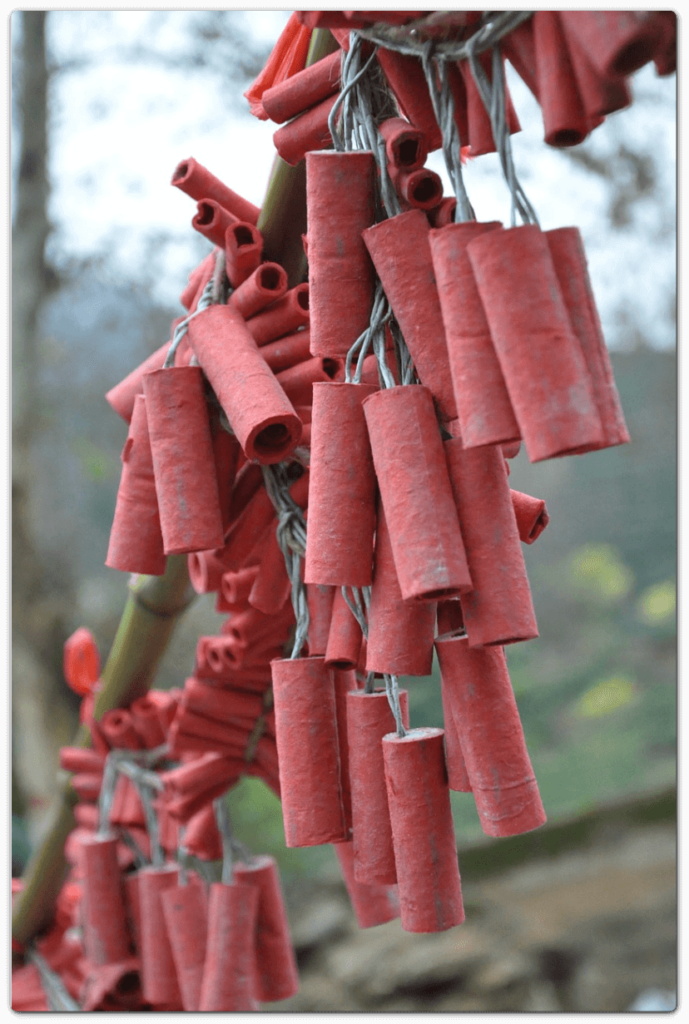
145	713
307	746
158	975
320	600
223	705
369	718
286	315
78	759
205	571
106	939
272	586
228	975
531	514
341	275
401	252
617	42
405	146
341	521
201	836
243	251
564	117
519	47
485	411
136	540
237	586
601	95
247	530
485	714
541	359
412	476
127	808
569	259
480	130
400	634
183	461
344	680
297	382
194	179
212	221
133	907
422	831
344	635
200	274
260	414
202	773
87	816
499	609
408	83
287	351
168	831
185	807
267	284
305	133
443	213
421	189
510	451
121	397
372	904
184	910
275	966
303	90
252	626
248	481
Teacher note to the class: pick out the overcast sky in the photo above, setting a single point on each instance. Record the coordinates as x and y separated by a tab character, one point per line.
118	132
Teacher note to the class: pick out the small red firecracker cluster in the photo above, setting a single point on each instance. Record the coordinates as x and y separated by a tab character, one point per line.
331	457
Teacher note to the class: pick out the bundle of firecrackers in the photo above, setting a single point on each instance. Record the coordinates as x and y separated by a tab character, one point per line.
391	465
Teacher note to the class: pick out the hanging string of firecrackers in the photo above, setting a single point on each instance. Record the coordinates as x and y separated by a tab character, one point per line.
396	380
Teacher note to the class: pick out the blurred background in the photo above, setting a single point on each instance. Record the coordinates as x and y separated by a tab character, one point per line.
105	104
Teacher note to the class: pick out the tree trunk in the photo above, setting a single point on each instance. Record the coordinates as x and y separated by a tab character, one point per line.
41	596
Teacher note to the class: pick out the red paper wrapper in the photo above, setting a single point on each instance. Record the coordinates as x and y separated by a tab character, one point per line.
272	587
320	601
158	973
275	966
564	115
307	744
344	636
121	397
287	351
183	462
243	251
480	130
194	179
541	359
340	271
400	633
422	831
339	539
146	719
284	316
372	904
305	133
106	939
259	412
406	79
199	274
483	404
520	49
266	285
421	189
212	221
369	718
184	910
304	90
617	42
477	686
297	382
405	146
228	984
136	540
344	680
401	252
201	836
412	476
531	515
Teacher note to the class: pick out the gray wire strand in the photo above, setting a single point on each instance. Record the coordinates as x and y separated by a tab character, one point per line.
393	695
291	537
224	823
444	108
495	25
214	293
56	994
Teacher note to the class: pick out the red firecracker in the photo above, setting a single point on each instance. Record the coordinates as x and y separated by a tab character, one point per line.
339	539
422	831
531	515
478	689
303	90
158	973
369	718
183	462
193	178
307	744
340	270
412	475
259	412
483	404
228	984
184	910
106	938
243	251
372	904
541	359
266	285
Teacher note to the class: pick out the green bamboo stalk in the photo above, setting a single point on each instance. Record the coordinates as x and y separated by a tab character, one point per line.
155	603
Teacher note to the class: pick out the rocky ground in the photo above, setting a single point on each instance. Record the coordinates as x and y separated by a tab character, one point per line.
585	930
